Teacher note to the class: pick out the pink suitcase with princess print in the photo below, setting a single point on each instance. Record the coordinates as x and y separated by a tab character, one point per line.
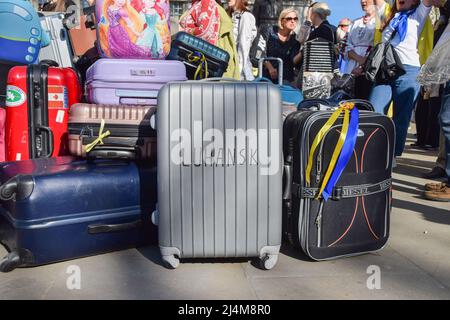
130	81
133	29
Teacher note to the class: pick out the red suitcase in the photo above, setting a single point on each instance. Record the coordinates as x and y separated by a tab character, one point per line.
38	101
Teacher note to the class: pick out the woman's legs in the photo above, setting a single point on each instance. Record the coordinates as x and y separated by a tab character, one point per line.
380	97
404	94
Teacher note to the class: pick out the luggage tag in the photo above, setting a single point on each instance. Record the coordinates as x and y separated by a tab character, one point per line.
323	107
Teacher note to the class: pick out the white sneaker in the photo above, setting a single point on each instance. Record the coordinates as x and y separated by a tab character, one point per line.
394	163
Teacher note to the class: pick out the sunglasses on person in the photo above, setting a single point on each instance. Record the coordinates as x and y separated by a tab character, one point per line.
291	19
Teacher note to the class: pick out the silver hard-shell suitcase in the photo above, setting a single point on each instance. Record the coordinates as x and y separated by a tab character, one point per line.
219	171
60	48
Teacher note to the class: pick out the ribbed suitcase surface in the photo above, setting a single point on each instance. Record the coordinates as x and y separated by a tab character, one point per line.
317	69
128	126
219	195
318	56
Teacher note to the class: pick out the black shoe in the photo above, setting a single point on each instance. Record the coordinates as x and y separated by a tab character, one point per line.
416	145
435	173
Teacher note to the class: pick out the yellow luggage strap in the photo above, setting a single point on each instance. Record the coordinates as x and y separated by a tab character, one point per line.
198	57
99	140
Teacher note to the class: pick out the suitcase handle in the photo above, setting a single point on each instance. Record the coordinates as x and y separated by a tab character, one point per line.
362	105
108	228
217	79
115	151
50	63
280	68
49	140
287	190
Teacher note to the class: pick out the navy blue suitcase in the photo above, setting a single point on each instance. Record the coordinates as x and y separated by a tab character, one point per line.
62	208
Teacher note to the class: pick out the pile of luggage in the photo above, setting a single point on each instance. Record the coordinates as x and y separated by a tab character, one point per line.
131	149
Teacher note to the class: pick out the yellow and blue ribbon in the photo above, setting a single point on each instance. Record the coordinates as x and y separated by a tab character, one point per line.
346	153
342	151
199	58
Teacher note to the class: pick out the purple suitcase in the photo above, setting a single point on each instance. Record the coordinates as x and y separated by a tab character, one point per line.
126	81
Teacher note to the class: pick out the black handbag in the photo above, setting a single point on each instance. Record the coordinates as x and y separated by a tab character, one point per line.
383	64
258	47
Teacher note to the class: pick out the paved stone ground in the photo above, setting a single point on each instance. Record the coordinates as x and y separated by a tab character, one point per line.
414	265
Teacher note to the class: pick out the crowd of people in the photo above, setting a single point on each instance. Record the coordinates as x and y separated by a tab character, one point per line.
405	24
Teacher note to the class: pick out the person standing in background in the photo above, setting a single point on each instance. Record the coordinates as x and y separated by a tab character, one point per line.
437	71
244	30
360	42
342	38
429	105
403	23
202	20
282	44
342	29
320	27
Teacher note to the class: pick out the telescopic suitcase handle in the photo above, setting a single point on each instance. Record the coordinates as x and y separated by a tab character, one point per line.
287	190
217	79
280	68
50	63
114	151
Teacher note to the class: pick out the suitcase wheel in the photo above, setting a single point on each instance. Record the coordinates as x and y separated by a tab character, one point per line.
155	217
171	262
10	262
268	261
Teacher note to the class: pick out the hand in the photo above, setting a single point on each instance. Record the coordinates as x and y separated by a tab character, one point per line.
273	73
361	60
357	71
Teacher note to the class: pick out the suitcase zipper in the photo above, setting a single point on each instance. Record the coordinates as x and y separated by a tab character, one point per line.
117	130
319	224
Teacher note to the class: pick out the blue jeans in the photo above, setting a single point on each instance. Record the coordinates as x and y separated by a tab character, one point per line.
445	126
404	92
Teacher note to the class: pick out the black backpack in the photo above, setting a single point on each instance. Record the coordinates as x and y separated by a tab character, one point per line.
258	48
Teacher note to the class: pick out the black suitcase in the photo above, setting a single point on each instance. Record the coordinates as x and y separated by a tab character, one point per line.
355	219
191	50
